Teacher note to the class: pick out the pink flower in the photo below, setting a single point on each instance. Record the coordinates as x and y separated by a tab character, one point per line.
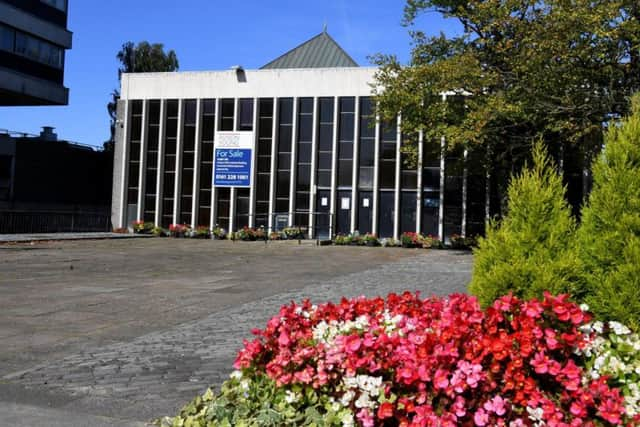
481	418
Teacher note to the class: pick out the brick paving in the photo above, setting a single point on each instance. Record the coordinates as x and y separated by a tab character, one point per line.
153	374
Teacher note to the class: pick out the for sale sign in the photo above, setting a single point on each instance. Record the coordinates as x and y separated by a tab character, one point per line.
233	159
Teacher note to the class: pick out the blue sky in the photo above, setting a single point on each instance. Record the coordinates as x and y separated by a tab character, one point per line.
206	35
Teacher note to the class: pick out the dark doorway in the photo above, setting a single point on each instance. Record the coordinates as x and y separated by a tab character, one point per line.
365	206
322	217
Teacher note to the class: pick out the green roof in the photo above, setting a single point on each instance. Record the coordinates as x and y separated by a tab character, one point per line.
321	51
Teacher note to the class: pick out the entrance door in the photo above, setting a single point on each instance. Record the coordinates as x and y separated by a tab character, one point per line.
321	217
343	219
365	206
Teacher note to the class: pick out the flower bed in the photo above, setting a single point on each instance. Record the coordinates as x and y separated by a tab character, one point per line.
410	362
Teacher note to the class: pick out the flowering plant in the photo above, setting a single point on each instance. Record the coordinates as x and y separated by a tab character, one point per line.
406	361
141	227
179	230
370	239
201	232
219	232
411	239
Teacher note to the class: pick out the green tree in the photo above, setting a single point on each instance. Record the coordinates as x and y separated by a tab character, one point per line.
141	58
530	250
520	70
609	236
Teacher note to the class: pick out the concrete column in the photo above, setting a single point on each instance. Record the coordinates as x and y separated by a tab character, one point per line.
143	160
419	191
396	201
254	167
214	194
197	155
178	178
443	152
293	163
274	153
334	167
160	171
124	172
233	192
355	165
314	166
376	178
465	174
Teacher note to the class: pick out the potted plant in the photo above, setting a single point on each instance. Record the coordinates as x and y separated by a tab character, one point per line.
201	232
246	234
179	230
342	239
141	227
370	240
218	233
410	239
294	233
274	235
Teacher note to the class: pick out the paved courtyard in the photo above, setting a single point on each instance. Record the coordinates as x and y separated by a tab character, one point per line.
119	332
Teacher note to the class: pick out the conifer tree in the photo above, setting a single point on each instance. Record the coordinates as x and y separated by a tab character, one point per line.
530	250
609	236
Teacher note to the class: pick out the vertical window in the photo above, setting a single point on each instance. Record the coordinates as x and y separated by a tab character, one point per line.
430	187
245	118
226	116
345	141
135	132
265	139
283	177
303	170
388	156
325	143
386	214
408	200
208	124
366	152
151	177
170	150
7	38
408	173
188	159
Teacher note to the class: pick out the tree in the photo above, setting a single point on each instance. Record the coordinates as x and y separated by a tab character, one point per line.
609	236
530	250
143	58
520	70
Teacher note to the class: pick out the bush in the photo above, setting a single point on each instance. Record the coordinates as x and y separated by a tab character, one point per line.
530	250
609	236
408	361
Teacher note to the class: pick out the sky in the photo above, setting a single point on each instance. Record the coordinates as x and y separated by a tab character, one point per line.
206	35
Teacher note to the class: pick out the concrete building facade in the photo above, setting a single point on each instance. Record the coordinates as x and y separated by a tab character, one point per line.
33	40
322	159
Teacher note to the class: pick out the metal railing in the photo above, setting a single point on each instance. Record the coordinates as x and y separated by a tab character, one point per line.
22	221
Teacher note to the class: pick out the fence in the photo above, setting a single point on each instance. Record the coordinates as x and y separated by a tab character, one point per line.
17	221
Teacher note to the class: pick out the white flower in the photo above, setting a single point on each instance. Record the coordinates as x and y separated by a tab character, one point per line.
236	375
347	420
290	397
619	328
347	397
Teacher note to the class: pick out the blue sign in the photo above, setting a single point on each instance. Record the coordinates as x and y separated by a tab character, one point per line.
232	167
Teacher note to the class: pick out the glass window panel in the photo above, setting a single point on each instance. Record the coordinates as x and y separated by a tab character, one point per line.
134	171
264	147
302	201
284	139
326	110
245	121
21	43
172	128
150	181
152	138
132	196
285	109
367	154
389	131
324	160
152	160
305	128
208	128
188	160
408	211
304	153
325	139
282	205
170	147
387	174
431	178
284	161
226	124
136	128
347	104
346	150
346	127
190	112
7	38
324	178
386	214
189	138
172	108
265	127
204	216
207	152
283	183
365	178
266	107
209	106
409	180
262	187
134	151
304	177
154	112
170	163
306	105
264	164
345	171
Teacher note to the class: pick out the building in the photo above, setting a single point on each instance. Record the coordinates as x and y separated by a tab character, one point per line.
321	159
51	185
33	40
